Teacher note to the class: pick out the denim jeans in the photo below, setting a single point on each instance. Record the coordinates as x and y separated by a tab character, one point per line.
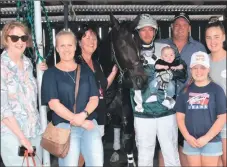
210	149
101	130
223	132
87	142
9	150
165	128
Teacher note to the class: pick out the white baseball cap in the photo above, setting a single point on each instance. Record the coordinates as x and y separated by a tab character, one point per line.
200	58
147	20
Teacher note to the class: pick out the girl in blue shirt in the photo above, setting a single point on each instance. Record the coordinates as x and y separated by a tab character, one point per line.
201	114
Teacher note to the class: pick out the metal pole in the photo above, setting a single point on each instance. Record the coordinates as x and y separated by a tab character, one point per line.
44	42
1	46
54	43
42	109
66	13
225	21
100	32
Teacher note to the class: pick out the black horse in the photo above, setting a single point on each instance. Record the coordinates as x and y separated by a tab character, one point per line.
125	53
122	48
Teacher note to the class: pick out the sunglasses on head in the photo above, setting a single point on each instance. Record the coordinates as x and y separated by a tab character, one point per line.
213	20
15	38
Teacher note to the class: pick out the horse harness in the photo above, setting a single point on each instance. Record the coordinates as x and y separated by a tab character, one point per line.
122	71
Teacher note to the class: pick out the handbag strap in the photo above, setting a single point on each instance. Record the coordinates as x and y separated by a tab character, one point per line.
77	75
26	157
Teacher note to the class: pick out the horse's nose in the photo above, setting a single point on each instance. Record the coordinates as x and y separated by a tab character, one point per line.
143	60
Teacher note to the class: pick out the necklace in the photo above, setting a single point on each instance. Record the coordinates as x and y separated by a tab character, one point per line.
71	77
66	69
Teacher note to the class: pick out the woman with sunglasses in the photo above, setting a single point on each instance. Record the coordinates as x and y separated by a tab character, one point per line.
215	37
201	114
20	120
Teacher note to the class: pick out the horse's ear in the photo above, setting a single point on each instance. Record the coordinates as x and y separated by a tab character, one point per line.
114	21
135	22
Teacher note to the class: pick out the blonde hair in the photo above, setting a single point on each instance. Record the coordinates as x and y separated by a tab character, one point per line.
10	26
191	80
167	48
65	32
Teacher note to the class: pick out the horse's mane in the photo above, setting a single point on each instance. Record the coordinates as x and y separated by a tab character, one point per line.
104	55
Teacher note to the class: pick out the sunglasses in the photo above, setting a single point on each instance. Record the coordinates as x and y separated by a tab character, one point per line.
15	38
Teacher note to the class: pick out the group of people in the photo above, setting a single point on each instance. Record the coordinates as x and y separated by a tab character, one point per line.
183	108
199	111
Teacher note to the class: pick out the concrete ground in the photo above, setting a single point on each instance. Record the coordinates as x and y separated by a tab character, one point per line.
108	151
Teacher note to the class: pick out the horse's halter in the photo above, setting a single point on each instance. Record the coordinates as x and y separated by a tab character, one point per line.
124	70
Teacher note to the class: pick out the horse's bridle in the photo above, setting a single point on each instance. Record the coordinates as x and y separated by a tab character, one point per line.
123	70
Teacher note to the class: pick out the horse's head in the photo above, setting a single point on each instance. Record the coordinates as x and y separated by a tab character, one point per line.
126	53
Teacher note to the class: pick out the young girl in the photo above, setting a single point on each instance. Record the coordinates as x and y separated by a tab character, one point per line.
215	37
201	114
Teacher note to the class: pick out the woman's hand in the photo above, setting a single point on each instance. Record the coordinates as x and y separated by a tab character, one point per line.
114	69
88	125
202	141
43	66
26	143
78	119
192	141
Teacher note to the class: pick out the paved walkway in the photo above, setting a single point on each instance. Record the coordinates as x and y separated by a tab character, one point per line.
108	151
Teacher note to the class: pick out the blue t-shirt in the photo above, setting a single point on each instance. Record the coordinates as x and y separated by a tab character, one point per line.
58	84
201	106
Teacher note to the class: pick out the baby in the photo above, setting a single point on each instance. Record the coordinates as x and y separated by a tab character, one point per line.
168	68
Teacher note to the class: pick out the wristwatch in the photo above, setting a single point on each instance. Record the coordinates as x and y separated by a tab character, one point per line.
87	114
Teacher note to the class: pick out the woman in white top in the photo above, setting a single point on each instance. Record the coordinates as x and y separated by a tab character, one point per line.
215	36
20	119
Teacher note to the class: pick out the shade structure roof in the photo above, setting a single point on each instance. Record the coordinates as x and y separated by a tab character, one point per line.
99	10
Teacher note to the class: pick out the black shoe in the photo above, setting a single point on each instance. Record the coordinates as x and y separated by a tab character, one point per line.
132	164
